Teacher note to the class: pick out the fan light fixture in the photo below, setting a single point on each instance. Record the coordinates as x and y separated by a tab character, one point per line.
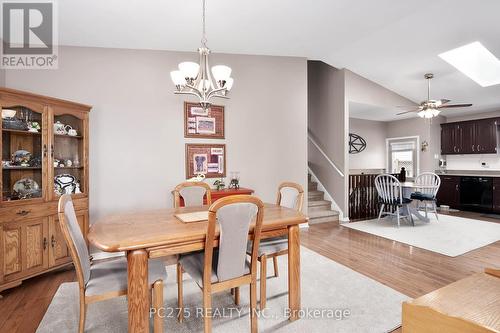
195	79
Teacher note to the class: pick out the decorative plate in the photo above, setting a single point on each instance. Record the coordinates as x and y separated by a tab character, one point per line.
21	157
356	144
64	180
26	188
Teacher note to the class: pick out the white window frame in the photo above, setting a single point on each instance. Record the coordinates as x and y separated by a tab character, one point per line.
417	147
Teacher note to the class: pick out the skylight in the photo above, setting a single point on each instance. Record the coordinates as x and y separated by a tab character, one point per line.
475	61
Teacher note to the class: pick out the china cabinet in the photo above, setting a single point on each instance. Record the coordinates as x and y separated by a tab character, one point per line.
44	148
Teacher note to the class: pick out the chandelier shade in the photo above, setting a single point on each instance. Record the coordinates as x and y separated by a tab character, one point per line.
195	79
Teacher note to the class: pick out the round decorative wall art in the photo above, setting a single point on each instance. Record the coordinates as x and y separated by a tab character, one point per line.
356	144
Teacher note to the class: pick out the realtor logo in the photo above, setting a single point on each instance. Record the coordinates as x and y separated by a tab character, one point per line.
29	35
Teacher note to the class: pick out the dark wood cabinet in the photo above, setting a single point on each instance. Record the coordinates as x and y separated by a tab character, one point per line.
469	137
449	191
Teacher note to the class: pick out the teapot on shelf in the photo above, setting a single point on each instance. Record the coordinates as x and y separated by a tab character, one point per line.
70	130
59	128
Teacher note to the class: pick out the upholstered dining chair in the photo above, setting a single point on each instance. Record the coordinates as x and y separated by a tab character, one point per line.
390	195
99	281
290	195
227	267
426	194
192	193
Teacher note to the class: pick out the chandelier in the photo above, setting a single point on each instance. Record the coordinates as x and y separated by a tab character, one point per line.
429	111
195	79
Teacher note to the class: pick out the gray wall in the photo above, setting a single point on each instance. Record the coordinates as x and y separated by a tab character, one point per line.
374	133
327	124
2	77
136	126
472	116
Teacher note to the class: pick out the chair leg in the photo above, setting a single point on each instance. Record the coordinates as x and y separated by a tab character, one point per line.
207	312
180	300
232	291
263	277
397	214
83	311
237	295
380	213
158	305
253	306
275	262
435	210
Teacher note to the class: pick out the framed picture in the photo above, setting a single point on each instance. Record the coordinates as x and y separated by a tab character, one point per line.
199	123
209	159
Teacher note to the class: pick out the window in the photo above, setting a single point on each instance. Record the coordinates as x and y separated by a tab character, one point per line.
403	153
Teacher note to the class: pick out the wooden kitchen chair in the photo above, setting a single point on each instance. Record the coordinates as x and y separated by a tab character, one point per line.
390	195
192	193
426	194
227	267
290	195
99	281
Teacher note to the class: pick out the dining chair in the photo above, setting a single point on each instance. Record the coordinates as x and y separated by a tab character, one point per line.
290	195
226	267
426	194
390	195
192	193
106	279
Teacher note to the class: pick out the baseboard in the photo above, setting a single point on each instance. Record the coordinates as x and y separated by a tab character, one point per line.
328	197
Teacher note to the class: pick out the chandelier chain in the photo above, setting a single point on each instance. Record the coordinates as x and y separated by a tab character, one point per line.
204	36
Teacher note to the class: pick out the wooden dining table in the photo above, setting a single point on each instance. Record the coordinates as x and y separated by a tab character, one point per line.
158	233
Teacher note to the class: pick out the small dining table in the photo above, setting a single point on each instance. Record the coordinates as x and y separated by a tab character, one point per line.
408	188
158	233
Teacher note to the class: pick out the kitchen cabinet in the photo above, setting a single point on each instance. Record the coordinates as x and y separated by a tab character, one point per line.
496	195
449	191
469	137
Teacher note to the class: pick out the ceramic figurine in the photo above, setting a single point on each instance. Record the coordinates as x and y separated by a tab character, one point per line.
59	128
33	126
69	163
198	178
77	189
56	163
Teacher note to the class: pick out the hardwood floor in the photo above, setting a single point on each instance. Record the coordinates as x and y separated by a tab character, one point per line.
407	269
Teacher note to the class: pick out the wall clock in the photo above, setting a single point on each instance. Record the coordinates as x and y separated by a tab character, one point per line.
356	144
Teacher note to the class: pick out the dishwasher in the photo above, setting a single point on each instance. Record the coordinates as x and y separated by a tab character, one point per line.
476	193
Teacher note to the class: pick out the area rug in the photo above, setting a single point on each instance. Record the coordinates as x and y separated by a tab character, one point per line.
334	299
451	235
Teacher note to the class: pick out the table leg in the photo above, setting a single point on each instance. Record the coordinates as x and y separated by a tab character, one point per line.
293	271
138	291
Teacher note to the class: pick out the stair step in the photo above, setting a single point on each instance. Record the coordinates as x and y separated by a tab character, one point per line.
324	216
315	205
326	219
311	195
312	186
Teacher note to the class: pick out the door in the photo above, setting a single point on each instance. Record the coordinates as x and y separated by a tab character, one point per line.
449	191
68	165
467	134
486	136
24	246
24	152
59	253
447	136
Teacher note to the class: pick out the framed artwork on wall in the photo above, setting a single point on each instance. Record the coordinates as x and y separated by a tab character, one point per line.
206	124
209	159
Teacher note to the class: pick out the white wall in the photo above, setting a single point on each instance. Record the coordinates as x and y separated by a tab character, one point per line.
136	126
374	133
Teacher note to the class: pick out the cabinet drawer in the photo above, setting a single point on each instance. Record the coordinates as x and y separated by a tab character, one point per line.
21	212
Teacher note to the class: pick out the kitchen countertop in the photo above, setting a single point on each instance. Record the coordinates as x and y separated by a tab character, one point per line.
473	173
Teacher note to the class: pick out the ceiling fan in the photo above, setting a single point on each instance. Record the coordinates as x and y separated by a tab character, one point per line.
431	108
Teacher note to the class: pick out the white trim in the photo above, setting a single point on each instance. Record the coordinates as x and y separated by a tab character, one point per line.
417	137
328	197
325	156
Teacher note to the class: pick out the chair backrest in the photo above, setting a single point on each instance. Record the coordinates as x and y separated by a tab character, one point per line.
192	193
389	189
430	181
234	215
74	239
290	195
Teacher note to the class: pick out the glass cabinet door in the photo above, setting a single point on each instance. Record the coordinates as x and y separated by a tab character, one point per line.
68	153
23	152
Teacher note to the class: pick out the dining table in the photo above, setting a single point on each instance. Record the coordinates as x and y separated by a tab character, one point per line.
408	188
159	233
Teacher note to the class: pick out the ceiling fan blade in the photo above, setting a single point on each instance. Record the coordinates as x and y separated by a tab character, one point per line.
454	106
397	114
443	101
405	106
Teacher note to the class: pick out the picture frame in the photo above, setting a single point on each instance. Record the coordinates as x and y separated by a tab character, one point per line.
203	124
209	159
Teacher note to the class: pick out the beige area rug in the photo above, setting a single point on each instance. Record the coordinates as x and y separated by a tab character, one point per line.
334	299
451	235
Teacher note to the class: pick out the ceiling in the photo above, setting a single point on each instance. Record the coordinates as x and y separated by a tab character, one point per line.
390	42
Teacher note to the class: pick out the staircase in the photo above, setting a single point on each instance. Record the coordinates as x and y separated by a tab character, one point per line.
318	209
